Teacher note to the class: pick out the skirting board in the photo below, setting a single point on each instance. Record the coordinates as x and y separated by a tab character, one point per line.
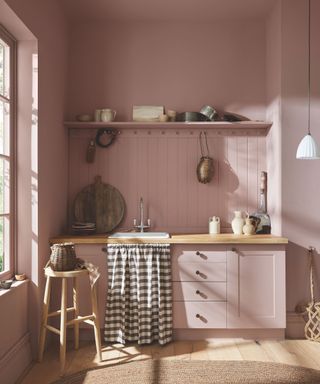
295	326
207	334
16	360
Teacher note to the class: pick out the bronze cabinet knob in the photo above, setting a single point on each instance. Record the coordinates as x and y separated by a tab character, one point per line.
198	292
198	253
198	316
233	249
197	272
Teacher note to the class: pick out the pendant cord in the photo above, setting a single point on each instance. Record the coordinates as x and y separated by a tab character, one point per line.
309	62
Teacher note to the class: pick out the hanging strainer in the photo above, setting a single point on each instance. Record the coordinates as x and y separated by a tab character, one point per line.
205	168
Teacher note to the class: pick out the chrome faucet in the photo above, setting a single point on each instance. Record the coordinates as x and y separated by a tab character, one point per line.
141	226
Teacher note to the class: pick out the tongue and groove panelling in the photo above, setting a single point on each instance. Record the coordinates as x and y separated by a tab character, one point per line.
160	166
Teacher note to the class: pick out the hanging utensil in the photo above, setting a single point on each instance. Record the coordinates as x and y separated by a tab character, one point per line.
205	169
91	151
110	133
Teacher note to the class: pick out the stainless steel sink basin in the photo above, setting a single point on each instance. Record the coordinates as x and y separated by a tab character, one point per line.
140	235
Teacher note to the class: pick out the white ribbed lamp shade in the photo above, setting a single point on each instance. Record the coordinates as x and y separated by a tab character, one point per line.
308	149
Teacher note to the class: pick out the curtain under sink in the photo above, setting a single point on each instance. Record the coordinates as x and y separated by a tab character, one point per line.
139	297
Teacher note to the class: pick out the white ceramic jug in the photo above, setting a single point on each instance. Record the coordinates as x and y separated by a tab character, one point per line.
214	225
108	114
237	223
249	228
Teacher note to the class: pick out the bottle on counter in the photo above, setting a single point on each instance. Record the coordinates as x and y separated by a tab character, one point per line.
214	225
262	217
237	223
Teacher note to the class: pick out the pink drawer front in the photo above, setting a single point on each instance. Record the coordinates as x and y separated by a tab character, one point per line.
199	314
199	253
199	271
199	291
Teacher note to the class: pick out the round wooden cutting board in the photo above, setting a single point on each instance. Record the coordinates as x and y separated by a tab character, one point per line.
100	203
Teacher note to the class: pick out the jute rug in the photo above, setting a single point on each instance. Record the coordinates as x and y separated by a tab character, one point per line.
195	372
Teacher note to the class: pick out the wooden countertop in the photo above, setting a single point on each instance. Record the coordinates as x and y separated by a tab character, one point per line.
223	238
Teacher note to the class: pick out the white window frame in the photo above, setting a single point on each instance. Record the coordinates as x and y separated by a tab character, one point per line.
10	259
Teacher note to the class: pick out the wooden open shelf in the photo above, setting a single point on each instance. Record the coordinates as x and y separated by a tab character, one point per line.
260	126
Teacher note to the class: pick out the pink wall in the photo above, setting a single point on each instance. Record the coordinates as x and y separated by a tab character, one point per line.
49	182
220	63
273	113
182	65
15	353
300	179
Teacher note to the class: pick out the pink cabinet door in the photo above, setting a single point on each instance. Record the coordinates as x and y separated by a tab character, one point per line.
256	287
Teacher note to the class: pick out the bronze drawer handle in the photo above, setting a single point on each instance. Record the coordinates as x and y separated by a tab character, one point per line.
202	318
202	255
201	294
201	274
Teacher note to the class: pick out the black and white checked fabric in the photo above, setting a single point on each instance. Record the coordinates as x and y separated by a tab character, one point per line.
139	298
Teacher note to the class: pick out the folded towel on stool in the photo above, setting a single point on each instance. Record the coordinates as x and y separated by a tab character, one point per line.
93	270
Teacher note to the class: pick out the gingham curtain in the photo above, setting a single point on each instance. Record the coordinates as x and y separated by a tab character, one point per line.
139	298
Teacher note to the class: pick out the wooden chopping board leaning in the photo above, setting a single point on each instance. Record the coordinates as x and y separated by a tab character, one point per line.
100	203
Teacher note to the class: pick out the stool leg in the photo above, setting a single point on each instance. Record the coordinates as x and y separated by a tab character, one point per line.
63	324
76	312
44	320
97	335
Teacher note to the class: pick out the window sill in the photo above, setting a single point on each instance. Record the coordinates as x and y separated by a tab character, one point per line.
15	285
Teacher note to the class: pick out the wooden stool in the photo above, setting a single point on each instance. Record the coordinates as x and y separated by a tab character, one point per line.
89	319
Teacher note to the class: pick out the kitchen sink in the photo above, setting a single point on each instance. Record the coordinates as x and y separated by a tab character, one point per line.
139	235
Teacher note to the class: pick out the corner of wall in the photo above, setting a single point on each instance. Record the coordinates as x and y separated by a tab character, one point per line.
273	114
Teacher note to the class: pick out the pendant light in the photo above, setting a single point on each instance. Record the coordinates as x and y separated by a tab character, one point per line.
308	148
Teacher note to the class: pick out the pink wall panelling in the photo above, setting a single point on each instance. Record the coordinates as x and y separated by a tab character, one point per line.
161	166
182	65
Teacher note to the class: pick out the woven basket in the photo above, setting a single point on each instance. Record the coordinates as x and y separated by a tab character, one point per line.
63	257
205	170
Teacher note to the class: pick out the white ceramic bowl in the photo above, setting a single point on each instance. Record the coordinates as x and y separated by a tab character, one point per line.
84	118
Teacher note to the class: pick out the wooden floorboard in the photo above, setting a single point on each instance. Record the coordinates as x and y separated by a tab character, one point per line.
295	352
224	349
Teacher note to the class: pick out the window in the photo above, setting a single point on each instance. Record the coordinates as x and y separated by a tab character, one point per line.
7	153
